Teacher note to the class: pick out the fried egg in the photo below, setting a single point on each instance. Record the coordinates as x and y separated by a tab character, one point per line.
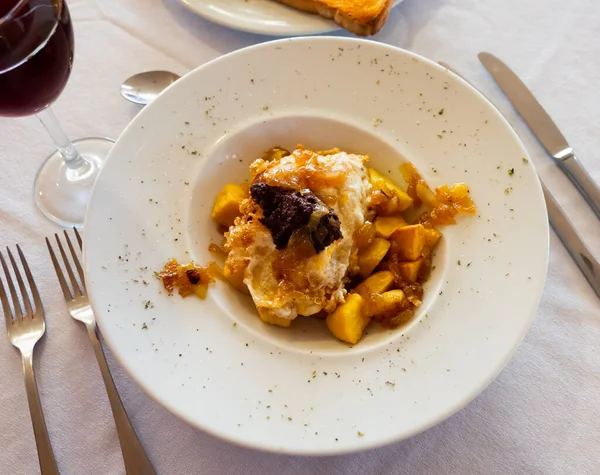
295	280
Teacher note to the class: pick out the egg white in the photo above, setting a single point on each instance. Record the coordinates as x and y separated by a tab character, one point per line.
325	270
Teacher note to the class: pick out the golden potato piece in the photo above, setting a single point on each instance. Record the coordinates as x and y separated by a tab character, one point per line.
227	204
268	317
370	256
409	270
432	237
408	242
387	304
235	275
376	283
275	153
348	321
386	185
426	195
386	225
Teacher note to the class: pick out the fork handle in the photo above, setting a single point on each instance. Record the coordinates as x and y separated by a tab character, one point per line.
44	449
134	456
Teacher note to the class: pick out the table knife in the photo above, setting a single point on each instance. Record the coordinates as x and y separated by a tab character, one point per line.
580	253
564	229
543	127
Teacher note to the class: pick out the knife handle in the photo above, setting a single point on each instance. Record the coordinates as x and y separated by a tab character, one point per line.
582	180
587	263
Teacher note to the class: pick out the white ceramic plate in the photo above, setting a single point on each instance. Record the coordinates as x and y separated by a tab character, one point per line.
266	17
298	390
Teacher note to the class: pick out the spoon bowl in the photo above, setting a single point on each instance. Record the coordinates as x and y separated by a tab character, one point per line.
143	88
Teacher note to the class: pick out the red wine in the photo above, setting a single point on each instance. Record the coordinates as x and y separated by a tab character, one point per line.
36	54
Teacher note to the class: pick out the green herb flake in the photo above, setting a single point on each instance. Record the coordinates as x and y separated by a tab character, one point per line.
511	172
441	111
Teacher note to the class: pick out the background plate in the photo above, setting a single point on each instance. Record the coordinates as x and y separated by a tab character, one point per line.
265	17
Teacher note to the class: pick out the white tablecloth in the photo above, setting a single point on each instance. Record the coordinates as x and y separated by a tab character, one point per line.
542	414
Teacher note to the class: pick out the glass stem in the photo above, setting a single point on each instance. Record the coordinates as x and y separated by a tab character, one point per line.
77	166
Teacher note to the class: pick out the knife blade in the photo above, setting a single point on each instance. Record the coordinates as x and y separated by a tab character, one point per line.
580	253
583	257
543	127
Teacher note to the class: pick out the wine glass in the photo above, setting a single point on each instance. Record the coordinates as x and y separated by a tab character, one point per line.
36	57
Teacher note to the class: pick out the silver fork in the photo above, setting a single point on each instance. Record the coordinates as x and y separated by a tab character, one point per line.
134	456
25	326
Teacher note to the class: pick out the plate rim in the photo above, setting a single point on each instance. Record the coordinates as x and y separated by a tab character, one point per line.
368	443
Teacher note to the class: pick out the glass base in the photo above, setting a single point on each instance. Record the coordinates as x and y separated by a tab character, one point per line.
58	195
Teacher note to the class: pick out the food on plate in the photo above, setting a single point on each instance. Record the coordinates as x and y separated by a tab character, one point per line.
227	204
189	279
293	240
361	17
317	233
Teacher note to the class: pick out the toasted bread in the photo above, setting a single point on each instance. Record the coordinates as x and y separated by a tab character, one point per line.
361	17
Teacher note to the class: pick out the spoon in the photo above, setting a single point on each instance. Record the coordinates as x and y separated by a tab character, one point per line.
142	88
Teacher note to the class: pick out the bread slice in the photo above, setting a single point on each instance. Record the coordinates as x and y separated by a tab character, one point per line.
361	17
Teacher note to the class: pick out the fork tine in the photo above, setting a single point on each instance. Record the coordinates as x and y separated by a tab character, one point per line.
75	260
5	305
76	290
34	290
24	294
59	273
78	239
18	313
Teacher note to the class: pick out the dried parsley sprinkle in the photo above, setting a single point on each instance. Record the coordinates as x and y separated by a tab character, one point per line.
458	262
144	326
511	172
441	112
360	434
524	160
